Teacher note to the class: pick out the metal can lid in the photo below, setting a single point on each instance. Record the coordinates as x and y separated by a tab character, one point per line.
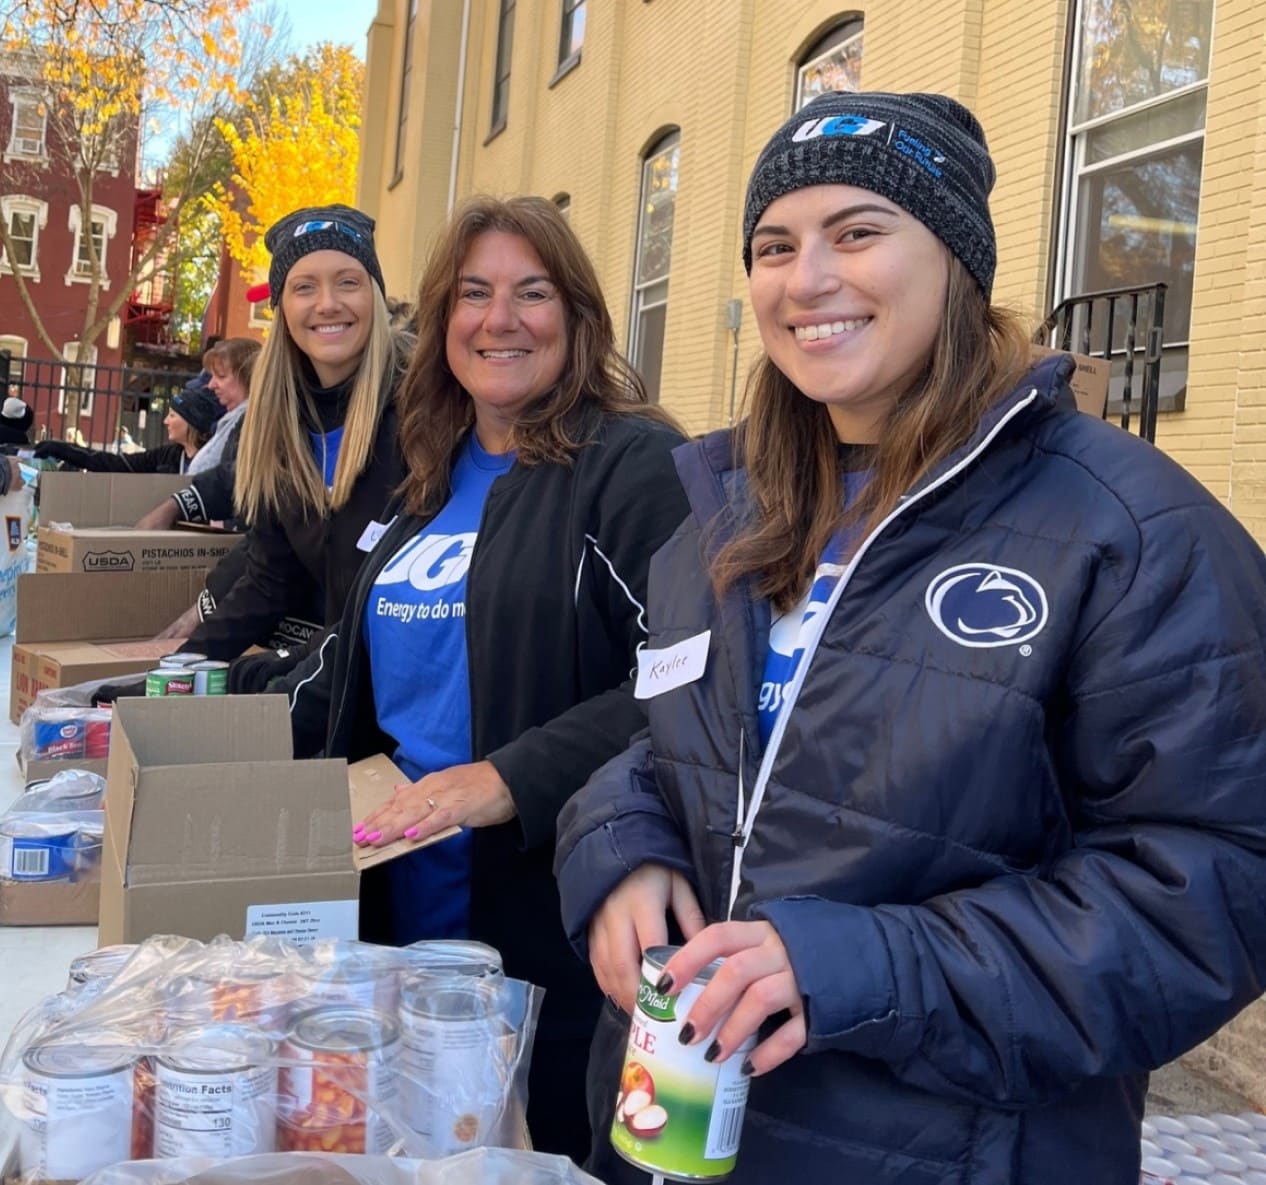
448	997
658	956
51	832
341	960
208	664
103	963
338	1029
462	956
88	1055
216	1049
182	658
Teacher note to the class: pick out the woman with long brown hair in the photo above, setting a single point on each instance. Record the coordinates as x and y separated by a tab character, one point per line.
488	641
957	719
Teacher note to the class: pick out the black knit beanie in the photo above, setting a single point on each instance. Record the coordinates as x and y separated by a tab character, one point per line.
319	228
926	153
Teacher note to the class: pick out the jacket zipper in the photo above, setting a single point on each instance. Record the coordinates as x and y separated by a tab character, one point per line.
747	819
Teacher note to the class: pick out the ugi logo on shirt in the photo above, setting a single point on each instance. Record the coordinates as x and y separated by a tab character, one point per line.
431	562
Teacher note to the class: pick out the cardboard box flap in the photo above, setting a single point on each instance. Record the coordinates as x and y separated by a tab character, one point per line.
197	730
80	606
247	819
103	499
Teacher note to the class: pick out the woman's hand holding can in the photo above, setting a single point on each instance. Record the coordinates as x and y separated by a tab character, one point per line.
755	982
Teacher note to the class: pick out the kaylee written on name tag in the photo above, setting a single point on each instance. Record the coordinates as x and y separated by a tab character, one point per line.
674	666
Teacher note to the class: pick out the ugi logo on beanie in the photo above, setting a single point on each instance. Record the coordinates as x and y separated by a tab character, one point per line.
837	125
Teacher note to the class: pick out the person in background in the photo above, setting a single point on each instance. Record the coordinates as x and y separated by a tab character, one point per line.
489	634
228	367
190	420
965	780
16	418
317	457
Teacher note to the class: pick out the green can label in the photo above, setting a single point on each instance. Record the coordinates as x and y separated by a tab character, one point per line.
169	683
210	678
676	1114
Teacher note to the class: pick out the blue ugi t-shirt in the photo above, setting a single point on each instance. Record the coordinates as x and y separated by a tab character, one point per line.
415	628
788	633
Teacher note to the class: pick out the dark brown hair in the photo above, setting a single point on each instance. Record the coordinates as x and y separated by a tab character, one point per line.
790	450
435	412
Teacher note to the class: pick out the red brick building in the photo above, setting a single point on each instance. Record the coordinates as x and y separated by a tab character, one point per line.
40	205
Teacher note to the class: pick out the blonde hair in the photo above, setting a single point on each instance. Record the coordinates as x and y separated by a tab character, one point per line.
790	450
275	464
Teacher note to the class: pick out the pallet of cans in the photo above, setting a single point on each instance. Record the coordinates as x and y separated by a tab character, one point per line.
1204	1149
176	1048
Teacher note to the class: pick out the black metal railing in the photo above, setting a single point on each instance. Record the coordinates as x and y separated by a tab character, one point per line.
1127	327
101	407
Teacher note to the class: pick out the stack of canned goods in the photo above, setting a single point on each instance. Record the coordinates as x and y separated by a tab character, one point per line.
1204	1150
187	673
344	1050
65	734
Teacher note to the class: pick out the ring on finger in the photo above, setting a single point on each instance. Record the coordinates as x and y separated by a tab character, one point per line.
431	803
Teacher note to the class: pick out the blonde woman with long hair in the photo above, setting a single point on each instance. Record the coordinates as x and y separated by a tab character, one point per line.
957	718
317	457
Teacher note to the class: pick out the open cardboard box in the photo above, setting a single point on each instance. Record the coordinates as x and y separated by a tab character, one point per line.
1089	381
72	627
213	828
101	509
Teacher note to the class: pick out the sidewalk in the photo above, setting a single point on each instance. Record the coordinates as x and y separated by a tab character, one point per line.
1224	1075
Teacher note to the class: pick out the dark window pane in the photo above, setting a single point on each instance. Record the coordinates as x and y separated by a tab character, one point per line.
649	360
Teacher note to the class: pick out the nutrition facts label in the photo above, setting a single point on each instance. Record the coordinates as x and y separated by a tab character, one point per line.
76	1126
216	1115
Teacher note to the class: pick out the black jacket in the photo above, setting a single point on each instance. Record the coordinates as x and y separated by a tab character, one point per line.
294	560
166	458
554	618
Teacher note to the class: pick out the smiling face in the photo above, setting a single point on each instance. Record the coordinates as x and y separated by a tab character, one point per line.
849	294
506	340
328	304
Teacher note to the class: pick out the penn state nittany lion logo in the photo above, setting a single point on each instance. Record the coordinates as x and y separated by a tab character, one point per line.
982	605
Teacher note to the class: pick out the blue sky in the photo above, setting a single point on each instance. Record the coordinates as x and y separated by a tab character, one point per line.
327	20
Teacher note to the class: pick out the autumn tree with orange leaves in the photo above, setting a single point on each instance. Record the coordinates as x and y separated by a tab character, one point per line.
108	68
293	144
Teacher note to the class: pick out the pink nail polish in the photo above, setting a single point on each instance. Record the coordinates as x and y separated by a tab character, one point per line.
374	836
411	833
358	827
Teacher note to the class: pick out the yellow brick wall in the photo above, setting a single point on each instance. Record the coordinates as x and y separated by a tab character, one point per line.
723	71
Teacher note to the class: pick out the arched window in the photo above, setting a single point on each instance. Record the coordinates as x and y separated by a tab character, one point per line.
832	63
654	257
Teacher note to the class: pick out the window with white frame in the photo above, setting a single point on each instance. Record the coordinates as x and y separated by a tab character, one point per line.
1135	152
28	131
654	258
78	378
103	224
24	218
832	63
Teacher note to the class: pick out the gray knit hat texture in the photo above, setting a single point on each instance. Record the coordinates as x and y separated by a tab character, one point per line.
926	153
319	228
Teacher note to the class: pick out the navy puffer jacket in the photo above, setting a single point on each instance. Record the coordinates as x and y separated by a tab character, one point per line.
1012	831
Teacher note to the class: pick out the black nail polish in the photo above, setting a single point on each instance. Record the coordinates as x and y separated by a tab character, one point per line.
687	1033
714	1051
664	983
747	1069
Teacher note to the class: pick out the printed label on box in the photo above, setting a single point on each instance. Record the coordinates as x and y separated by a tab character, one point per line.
304	921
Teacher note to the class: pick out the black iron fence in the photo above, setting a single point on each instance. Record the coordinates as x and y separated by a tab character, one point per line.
105	407
1127	327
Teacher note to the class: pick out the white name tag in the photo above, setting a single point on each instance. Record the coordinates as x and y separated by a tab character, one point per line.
371	534
675	666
